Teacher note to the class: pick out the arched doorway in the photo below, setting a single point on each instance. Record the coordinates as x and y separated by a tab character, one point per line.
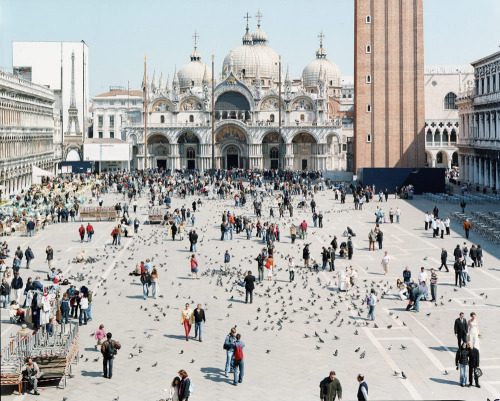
273	150
333	151
73	155
231	148
454	159
188	150
304	151
159	148
441	159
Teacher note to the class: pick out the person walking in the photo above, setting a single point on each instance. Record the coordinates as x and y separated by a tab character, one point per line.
442	227
380	238
109	349
100	335
461	362
458	266
461	329
444	258
269	268
434	281
84	305
185	384
306	254
385	262
462	205
17	286
479	256
457	252
398	215
137	223
427	220
90	232
372	237
155	283
350	248
28	253
249	281
473	331
238	365
320	220
467	227
146	282
291	269
473	365
293	233
260	266
194	267
50	256
303	227
114	235
187	319
473	255
330	388
362	389
199	319
81	231
228	346
5	293
371	301
227	259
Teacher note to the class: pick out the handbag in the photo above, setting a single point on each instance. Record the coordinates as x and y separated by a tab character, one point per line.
468	278
478	372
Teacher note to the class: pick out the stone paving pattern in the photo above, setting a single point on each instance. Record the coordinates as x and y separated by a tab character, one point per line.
295	365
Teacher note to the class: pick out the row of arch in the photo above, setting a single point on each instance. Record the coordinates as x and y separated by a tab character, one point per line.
441	159
438	137
15	179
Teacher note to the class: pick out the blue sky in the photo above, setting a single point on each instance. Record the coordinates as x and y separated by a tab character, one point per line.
119	33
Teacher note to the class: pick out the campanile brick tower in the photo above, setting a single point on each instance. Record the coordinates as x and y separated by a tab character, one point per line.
389	84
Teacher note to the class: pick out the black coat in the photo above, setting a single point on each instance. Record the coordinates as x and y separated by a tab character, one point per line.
457	253
479	253
462	356
473	358
305	253
460	327
249	282
444	256
184	389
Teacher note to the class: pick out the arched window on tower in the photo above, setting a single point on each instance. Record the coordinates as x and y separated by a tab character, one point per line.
191	118
302	118
453	136
162	119
449	101
271	118
273	153
190	153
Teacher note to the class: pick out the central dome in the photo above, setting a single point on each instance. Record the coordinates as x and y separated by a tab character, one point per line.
253	53
191	74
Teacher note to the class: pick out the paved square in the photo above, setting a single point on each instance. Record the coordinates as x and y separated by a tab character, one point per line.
284	359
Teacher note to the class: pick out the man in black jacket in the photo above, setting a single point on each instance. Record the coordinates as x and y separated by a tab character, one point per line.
305	255
458	266
457	252
29	256
473	364
260	266
461	329
199	319
444	258
249	286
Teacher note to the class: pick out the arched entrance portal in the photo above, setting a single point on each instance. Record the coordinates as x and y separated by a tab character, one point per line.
305	151
231	148
158	147
273	150
188	150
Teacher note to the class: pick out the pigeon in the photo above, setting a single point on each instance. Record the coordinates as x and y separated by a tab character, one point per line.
357	349
446	372
268	351
154	365
192	361
403	347
182	351
95	360
403	375
363	354
139	368
396	373
336	353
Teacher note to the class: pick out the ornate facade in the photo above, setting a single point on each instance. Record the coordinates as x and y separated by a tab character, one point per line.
27	121
479	114
246	108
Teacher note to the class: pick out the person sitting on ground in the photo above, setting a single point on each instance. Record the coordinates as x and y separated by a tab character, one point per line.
401	287
52	274
424	289
80	256
137	271
353	275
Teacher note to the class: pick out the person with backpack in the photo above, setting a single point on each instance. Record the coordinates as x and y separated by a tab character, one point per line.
330	388
114	234
90	232
81	231
228	346
146	282
109	349
238	366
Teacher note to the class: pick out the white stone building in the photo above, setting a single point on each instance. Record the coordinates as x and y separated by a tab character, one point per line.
479	114
64	68
442	85
26	132
246	109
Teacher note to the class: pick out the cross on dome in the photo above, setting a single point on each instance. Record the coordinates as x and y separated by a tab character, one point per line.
247	17
195	37
321	36
259	17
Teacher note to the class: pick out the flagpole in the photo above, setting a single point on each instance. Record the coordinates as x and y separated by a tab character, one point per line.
213	118
279	111
145	117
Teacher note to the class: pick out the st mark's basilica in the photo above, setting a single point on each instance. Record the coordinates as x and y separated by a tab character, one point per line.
316	127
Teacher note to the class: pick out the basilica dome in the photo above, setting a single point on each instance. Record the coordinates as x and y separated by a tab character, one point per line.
252	53
191	74
310	74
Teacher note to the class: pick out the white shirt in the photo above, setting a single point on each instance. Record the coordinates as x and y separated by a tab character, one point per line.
386	259
441	225
398	212
422	276
447	222
427	218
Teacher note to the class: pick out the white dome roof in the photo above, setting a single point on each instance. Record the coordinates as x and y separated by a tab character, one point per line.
193	72
247	57
310	74
259	36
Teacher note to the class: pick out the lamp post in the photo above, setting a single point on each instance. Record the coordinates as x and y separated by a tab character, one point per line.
145	117
279	111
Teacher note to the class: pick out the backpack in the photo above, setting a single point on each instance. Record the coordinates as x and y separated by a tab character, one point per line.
110	351
89	296
191	387
238	353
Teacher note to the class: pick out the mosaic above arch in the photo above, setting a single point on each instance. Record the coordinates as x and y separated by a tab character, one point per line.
270	104
162	106
230	133
191	105
302	104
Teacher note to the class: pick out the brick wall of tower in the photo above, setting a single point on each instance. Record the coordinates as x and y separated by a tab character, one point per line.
396	92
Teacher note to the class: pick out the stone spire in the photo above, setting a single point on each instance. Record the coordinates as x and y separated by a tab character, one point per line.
287	78
205	80
169	84
154	83
162	85
175	81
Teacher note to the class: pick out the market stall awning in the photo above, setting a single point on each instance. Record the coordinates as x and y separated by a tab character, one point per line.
38	173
